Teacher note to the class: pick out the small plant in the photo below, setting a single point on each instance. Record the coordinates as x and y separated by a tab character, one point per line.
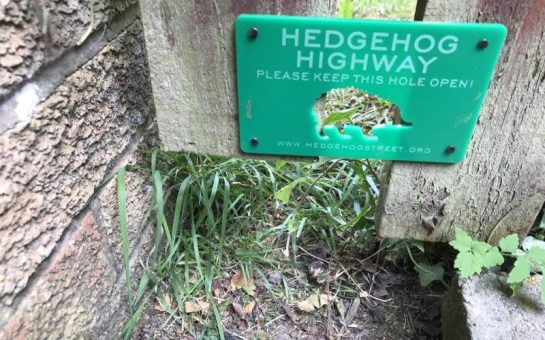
426	273
346	9
391	9
475	256
352	106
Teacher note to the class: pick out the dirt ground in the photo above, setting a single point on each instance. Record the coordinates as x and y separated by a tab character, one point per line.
373	298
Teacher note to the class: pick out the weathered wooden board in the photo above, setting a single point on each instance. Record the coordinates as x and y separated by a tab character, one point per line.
190	47
500	187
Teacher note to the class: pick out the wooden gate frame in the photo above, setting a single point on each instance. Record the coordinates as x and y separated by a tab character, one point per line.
498	189
500	186
191	54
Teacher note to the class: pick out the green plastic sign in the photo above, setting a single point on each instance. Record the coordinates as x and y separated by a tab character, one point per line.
436	73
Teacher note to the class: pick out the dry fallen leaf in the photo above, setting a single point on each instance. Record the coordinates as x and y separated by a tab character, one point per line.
216	292
243	324
159	307
238	308
352	311
275	277
369	266
249	308
250	288
167	301
261	335
316	268
380	291
243	311
340	308
238	281
218	287
289	312
314	302
194	279
196	306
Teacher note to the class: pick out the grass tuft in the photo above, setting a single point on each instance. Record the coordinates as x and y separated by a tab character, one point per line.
217	216
385	9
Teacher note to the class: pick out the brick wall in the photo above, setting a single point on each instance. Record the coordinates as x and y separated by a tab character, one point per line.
72	111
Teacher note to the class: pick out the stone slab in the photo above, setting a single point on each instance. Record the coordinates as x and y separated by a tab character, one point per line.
481	308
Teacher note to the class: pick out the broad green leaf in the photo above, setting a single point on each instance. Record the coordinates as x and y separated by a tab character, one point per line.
493	257
537	255
460	246
428	274
285	192
357	220
419	245
474	255
518	252
339	116
468	264
520	271
463	236
515	287
510	243
292	227
480	248
347	9
462	242
280	164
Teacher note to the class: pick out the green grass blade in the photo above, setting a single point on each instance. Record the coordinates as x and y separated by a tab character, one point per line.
178	207
217	317
177	288
133	320
154	161
226	205
159	204
144	282
346	9
195	242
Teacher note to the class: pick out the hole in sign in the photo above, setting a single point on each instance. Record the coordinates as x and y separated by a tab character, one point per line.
351	106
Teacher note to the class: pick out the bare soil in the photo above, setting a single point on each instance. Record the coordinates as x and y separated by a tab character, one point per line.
372	297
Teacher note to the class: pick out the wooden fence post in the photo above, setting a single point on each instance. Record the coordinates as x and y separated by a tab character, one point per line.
500	187
190	47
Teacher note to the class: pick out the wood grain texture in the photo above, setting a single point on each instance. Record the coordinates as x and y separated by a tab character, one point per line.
190	47
500	187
